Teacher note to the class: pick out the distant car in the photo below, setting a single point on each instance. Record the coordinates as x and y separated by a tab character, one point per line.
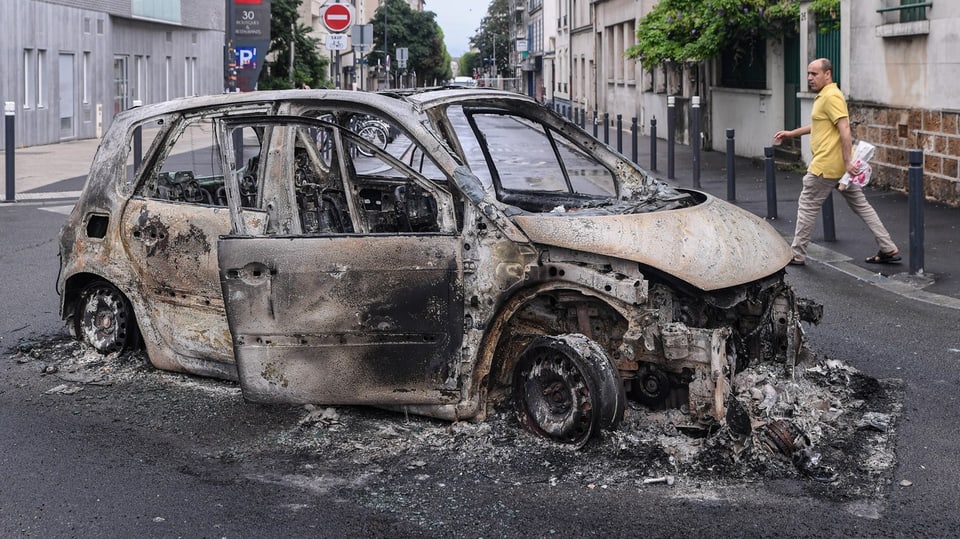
491	252
463	82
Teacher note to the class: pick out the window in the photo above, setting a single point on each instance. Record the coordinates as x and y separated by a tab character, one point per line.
139	74
190	170
41	65
190	76
85	83
27	78
166	78
744	67
548	163
914	13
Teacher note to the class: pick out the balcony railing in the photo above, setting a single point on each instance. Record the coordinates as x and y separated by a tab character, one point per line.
910	10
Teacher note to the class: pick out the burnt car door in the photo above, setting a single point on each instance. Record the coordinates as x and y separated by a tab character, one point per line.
352	293
170	228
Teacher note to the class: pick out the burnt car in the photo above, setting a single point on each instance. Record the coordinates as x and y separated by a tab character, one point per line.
489	253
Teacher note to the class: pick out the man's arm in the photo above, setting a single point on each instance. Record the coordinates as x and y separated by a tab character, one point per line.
846	146
798	132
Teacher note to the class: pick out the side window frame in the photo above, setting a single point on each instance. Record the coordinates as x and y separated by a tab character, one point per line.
344	142
184	186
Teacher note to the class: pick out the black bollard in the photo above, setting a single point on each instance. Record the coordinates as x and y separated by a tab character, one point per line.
770	174
9	110
916	196
653	143
606	128
576	116
695	142
620	133
731	167
633	139
583	117
594	124
829	222
671	135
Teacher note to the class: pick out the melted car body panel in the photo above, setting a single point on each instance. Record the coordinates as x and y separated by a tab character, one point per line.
704	245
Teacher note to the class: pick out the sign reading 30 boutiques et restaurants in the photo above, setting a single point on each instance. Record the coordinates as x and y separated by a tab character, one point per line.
248	40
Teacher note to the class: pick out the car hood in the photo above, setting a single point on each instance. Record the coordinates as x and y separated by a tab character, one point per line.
712	245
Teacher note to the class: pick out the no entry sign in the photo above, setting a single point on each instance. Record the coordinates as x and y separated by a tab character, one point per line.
337	17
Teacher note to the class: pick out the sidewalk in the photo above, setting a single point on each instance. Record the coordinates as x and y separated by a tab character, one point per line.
58	171
939	281
50	171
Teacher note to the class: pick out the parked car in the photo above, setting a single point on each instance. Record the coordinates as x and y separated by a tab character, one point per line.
491	253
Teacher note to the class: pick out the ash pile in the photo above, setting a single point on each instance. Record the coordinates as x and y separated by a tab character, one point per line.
827	425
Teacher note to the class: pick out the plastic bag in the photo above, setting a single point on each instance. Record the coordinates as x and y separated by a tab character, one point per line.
862	153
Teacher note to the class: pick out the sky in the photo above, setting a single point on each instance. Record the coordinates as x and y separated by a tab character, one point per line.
459	20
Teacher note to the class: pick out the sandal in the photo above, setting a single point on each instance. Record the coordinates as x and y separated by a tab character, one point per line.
884	258
797	261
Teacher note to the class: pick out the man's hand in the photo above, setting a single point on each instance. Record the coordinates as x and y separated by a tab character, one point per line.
853	168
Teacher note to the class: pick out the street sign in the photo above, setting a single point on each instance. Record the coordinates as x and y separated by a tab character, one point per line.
337	17
362	35
336	42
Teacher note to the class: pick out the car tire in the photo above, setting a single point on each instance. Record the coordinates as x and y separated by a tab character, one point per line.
566	388
105	320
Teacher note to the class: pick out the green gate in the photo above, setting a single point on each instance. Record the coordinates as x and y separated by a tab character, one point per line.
828	44
791	81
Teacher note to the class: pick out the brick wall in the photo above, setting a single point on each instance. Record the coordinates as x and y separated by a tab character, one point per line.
896	131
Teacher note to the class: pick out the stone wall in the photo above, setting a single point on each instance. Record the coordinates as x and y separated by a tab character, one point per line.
896	131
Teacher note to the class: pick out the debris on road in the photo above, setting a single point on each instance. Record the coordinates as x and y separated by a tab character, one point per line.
827	425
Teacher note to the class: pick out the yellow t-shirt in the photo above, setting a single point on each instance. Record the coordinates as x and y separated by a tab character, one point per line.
828	107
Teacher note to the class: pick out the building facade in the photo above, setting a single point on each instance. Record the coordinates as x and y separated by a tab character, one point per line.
891	60
71	65
901	88
534	32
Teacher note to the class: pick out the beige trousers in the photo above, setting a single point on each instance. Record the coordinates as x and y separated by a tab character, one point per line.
814	193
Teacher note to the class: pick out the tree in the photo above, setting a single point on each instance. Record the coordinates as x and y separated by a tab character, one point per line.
469	62
492	39
418	32
696	30
310	68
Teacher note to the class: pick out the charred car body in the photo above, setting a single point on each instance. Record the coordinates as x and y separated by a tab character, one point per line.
492	252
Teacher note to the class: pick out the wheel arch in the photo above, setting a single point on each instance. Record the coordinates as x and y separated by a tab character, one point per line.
73	288
501	348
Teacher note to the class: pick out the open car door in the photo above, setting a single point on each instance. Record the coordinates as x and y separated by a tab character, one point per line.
352	292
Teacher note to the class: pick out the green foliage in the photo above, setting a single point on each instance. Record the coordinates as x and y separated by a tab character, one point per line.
309	67
492	39
826	14
419	32
696	30
827	9
468	62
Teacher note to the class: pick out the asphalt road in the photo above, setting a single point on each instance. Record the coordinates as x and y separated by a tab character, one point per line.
162	455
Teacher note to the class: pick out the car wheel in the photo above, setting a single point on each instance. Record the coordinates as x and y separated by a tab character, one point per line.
565	388
104	319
